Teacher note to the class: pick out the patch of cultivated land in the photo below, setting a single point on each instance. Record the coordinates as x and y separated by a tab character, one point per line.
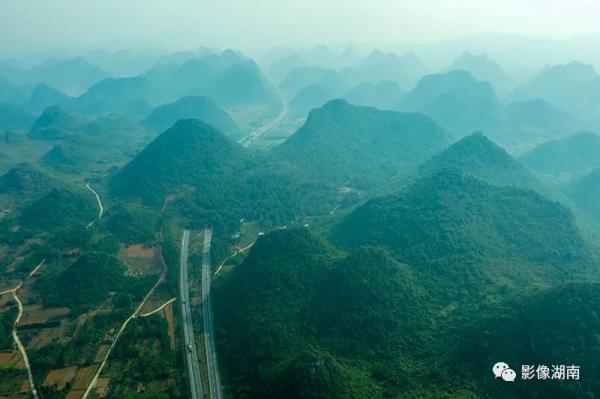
11	360
141	260
168	312
38	314
59	378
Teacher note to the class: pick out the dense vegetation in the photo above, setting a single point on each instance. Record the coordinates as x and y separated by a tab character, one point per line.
360	146
550	327
25	181
7	321
199	169
453	227
90	279
319	332
477	156
142	363
60	207
421	263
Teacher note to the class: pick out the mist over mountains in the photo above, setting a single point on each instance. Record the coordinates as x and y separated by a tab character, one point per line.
349	221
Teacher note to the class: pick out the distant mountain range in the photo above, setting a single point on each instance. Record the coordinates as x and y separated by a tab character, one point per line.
585	192
463	105
484	69
574	87
71	75
574	155
192	107
44	96
230	78
310	87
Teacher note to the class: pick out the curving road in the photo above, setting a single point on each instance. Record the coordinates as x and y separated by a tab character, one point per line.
214	379
135	314
16	338
100	207
258	133
191	354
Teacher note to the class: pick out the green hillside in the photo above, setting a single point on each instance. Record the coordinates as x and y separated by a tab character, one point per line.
309	98
301	302
125	96
89	279
557	326
44	96
538	119
573	87
452	229
577	154
59	208
215	179
192	107
302	77
484	69
25	181
242	84
14	117
585	192
380	95
53	124
478	156
361	146
467	109
65	157
432	87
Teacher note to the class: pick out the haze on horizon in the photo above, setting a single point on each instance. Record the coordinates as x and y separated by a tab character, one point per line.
35	25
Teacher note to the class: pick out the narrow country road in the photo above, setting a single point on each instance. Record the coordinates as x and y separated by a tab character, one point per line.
214	379
18	343
158	309
119	333
258	133
100	207
233	255
191	354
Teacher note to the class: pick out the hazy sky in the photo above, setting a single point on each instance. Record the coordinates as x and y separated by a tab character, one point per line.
252	24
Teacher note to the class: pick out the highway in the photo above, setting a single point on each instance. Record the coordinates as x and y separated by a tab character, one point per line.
214	379
100	207
191	354
258	133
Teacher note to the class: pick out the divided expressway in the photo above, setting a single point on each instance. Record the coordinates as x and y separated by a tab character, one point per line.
212	368
191	353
